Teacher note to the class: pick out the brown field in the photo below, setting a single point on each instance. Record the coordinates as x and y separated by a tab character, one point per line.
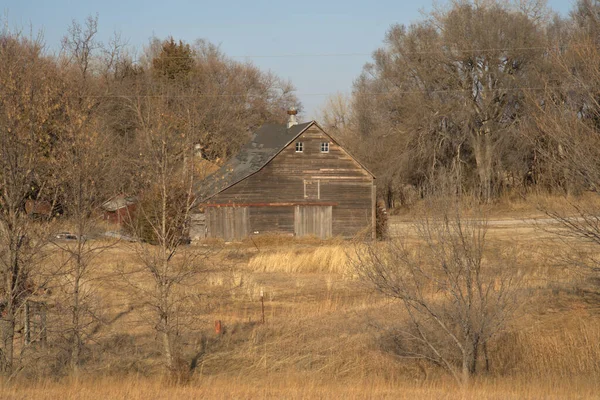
323	329
283	387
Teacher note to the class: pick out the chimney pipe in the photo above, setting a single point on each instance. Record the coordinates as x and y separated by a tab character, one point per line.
292	112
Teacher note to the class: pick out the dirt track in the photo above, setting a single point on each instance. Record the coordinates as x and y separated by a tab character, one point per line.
513	226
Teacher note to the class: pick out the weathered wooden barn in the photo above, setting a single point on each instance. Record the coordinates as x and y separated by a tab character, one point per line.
290	179
118	209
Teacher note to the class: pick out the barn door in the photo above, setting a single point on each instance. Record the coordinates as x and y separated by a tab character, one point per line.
313	220
229	223
198	226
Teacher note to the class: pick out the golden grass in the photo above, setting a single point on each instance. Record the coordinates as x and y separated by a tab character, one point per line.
330	259
294	387
563	345
320	339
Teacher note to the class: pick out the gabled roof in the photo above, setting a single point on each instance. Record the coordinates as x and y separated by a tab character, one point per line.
117	202
265	144
268	141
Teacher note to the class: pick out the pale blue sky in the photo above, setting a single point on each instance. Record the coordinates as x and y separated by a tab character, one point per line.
321	46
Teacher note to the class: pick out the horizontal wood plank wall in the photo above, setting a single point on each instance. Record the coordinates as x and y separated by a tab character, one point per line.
353	213
341	180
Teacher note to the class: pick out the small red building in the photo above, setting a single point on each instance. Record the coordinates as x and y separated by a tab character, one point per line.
118	209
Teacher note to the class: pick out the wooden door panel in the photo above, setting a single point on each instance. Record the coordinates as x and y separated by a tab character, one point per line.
229	223
313	220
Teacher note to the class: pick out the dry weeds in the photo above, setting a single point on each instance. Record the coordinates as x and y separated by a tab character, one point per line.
322	332
328	259
295	387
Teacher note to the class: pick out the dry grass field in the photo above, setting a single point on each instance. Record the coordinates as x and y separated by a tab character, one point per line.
323	330
283	387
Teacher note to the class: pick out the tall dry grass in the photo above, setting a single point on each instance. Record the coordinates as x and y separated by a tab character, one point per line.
322	336
293	387
328	259
561	346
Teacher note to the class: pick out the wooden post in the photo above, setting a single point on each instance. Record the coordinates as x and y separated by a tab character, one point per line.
262	305
374	212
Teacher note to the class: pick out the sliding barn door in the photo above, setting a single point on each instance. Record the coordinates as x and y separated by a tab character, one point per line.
229	223
313	220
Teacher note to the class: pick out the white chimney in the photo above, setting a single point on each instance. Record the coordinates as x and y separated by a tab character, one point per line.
292	121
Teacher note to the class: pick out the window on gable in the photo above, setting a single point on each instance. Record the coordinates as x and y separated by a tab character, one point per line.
299	147
325	147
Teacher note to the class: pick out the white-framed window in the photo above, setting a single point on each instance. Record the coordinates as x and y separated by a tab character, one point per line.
299	147
325	147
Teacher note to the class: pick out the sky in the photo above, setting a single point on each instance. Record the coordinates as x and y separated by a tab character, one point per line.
320	46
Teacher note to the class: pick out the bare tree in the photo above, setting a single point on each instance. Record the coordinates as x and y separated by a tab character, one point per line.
568	119
446	94
82	164
226	100
162	217
456	294
336	113
29	99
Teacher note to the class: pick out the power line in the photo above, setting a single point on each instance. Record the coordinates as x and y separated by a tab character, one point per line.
516	88
441	50
300	55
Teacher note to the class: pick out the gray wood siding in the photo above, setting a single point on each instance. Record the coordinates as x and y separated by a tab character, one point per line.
229	223
353	213
197	226
313	220
311	177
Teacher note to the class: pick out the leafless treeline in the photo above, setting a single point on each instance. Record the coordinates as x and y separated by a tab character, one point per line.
98	92
499	95
83	125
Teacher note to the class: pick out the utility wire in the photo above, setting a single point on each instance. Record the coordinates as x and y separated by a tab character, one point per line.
392	91
441	50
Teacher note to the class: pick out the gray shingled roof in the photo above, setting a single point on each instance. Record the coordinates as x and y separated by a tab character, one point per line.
266	143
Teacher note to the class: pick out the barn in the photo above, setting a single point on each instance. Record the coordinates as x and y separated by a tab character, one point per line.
292	179
118	209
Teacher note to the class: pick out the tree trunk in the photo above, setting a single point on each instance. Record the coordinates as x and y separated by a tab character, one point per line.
76	340
469	363
167	339
168	350
164	326
483	158
7	327
76	334
567	177
11	286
